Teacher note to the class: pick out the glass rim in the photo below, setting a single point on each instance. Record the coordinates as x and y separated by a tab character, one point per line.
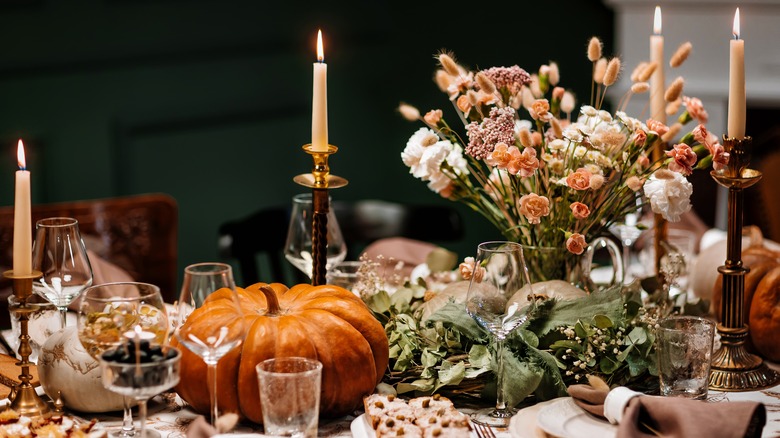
498	245
314	364
220	268
59	221
148	290
669	319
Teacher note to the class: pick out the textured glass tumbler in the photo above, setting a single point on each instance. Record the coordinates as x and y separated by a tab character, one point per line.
684	345
290	396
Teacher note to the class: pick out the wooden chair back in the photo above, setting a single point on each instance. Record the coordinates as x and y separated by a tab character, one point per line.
137	233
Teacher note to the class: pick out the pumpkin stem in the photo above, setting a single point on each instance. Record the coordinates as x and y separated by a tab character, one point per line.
271	300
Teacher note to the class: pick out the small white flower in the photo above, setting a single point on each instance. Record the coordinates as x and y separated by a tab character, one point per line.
605	116
580	151
556	165
669	194
589	111
557	145
594	169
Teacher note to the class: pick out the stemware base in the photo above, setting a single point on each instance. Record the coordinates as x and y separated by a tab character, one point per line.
135	433
493	417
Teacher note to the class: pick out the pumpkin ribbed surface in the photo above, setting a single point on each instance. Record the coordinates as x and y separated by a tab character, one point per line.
327	323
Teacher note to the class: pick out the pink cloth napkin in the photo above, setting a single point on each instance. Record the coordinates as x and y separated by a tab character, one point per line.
650	416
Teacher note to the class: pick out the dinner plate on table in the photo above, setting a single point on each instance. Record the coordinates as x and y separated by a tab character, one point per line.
564	419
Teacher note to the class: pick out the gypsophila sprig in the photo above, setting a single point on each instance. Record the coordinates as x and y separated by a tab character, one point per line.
541	172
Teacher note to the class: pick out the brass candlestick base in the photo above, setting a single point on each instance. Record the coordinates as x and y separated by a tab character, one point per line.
733	368
320	181
25	400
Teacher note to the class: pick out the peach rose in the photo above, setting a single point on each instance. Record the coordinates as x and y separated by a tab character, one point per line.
501	155
468	269
576	243
720	158
540	110
579	180
658	127
683	159
463	104
640	137
433	117
579	210
534	207
523	163
695	109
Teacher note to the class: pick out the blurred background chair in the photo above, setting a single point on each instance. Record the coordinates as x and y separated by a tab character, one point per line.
138	234
257	246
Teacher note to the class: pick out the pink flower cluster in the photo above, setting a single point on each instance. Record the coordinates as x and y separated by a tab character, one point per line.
513	78
683	159
498	127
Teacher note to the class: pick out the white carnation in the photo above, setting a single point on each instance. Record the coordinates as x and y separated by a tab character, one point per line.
669	194
415	148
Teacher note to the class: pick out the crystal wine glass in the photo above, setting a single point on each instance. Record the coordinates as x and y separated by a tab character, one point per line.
499	273
108	315
202	282
125	374
298	248
59	253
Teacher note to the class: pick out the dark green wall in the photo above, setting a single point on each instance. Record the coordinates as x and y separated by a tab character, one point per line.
210	100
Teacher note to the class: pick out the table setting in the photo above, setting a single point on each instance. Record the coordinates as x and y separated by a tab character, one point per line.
541	332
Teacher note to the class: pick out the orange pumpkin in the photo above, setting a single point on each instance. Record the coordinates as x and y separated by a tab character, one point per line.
327	323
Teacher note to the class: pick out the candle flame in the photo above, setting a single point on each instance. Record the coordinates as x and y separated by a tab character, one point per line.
735	29
657	21
320	50
20	155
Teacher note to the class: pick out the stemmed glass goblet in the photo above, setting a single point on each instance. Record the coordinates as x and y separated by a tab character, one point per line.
224	330
107	317
130	377
298	248
59	253
628	230
499	273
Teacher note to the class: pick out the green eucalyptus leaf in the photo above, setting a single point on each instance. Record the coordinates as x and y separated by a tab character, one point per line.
379	302
401	299
451	374
637	336
479	356
455	315
602	321
607	365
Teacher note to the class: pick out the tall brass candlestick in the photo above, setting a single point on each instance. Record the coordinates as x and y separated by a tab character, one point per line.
320	181
733	368
25	400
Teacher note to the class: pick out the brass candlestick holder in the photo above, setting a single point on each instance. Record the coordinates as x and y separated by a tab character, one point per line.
733	368
25	400
320	181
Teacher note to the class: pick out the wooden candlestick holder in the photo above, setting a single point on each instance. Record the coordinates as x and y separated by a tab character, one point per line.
320	181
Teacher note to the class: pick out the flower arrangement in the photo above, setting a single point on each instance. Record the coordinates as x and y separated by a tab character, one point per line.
545	175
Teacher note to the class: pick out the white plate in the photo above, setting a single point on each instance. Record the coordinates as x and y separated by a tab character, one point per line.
360	428
565	419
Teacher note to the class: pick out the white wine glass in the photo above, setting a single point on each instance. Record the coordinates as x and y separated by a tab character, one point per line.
498	274
210	281
59	253
108	316
298	248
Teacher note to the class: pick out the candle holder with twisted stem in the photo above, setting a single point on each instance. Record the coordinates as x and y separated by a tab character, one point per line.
320	181
733	368
25	400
